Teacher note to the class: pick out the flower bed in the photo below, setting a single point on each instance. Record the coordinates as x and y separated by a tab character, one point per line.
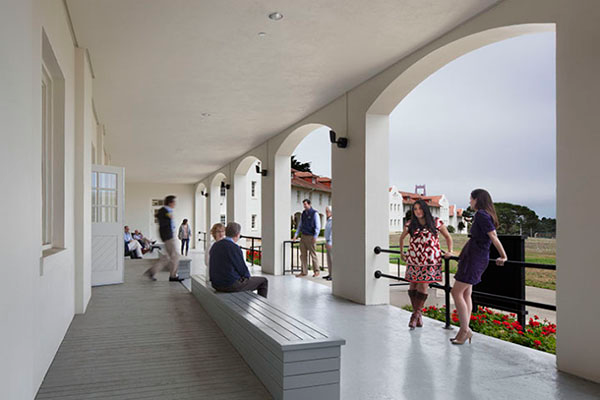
257	256
540	335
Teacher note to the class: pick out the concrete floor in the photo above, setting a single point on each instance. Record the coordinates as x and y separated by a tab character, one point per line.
384	360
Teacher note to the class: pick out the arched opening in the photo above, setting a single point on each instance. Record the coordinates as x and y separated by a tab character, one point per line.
247	202
218	199
308	176
380	120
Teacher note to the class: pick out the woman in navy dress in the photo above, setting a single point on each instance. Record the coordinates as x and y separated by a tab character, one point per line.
474	259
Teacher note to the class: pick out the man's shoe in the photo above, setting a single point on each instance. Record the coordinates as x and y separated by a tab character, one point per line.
328	277
175	279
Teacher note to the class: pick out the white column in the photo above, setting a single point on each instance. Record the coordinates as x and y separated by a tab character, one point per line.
360	203
578	177
276	188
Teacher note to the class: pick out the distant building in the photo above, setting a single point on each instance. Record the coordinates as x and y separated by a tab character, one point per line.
401	203
306	185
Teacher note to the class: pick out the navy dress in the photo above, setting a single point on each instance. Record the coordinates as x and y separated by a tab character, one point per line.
474	257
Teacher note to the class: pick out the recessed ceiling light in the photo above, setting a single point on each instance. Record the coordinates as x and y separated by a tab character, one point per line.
205	114
276	16
262	34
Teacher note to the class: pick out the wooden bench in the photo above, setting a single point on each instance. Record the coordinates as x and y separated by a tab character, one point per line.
294	359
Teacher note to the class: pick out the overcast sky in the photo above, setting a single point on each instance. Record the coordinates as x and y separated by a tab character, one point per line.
485	120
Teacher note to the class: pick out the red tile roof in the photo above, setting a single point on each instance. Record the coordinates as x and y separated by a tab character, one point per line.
308	180
452	209
410	198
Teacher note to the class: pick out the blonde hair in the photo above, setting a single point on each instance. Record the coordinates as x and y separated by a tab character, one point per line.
216	227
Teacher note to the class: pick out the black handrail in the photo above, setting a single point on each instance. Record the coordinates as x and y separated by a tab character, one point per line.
252	247
447	288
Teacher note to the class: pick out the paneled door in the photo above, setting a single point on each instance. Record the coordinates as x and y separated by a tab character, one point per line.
107	224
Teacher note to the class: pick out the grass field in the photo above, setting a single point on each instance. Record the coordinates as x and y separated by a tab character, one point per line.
537	250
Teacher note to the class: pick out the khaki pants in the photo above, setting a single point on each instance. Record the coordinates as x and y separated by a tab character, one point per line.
170	260
307	247
329	262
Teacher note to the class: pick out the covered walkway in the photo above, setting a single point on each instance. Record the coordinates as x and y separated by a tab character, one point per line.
147	340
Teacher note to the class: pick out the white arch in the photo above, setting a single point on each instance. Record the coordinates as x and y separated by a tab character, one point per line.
241	195
416	73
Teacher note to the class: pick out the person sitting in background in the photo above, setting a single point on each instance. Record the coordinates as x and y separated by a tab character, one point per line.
133	245
217	232
146	243
228	270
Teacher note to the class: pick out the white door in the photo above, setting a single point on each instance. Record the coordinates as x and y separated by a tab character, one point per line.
108	206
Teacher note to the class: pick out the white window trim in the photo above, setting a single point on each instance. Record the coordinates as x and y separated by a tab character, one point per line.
47	161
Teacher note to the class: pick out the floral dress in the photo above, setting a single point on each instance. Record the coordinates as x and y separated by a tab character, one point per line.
424	259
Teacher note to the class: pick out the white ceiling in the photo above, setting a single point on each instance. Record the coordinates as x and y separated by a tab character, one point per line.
161	64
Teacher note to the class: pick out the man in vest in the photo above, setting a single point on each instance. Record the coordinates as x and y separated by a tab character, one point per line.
310	226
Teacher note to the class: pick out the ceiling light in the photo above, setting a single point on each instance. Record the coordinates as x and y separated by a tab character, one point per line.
205	115
276	16
262	34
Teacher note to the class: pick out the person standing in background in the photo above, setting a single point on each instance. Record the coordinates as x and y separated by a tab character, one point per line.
309	226
329	241
184	235
166	229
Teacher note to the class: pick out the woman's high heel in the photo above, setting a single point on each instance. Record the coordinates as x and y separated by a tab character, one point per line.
468	336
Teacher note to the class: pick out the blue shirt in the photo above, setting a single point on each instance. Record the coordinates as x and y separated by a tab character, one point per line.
128	237
170	210
317	222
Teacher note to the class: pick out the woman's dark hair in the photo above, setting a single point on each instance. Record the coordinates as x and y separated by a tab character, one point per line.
429	221
184	221
483	201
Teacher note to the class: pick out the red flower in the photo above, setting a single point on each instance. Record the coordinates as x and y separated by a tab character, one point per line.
454	319
505	317
520	333
537	342
536	317
497	322
529	331
535	323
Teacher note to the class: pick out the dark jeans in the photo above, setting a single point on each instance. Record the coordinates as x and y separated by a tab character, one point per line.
248	284
185	243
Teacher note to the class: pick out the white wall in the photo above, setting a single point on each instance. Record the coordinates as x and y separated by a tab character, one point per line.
138	206
37	294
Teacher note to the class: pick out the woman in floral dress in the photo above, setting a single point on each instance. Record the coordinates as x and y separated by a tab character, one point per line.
424	256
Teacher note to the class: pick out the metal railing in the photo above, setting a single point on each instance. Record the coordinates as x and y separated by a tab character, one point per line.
447	288
202	237
253	249
295	245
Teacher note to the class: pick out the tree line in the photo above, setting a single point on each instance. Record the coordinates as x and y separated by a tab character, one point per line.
515	219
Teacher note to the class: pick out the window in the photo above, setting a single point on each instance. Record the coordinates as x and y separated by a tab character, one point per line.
47	216
298	196
223	219
104	197
320	198
52	155
310	196
253	189
93	154
223	191
253	222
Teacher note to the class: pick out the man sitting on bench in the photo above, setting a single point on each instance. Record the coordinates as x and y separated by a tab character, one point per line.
228	270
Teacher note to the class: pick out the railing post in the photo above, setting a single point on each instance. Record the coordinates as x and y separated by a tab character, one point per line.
252	251
447	291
